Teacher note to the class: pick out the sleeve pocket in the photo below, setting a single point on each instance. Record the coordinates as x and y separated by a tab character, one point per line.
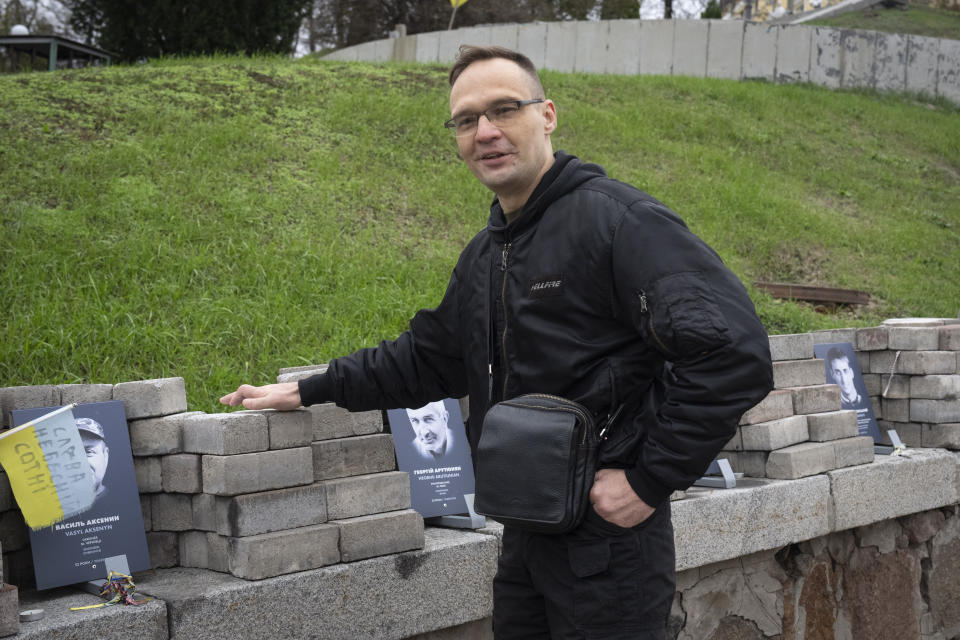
686	316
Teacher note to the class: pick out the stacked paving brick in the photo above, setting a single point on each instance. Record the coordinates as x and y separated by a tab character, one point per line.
798	429
914	379
252	493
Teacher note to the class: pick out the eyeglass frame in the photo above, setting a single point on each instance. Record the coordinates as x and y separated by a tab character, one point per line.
450	124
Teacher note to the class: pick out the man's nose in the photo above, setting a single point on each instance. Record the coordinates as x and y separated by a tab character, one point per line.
486	130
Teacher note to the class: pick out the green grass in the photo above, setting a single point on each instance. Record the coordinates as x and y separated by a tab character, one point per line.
220	218
921	20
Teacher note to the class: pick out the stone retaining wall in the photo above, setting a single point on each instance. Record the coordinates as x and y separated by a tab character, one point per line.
298	523
834	58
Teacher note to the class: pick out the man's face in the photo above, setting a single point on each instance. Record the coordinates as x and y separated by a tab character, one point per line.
97	456
509	161
843	376
430	425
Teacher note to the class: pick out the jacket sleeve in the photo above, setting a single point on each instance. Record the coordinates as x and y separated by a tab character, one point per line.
689	307
422	365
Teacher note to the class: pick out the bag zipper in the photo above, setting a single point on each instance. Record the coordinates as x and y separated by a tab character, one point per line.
569	405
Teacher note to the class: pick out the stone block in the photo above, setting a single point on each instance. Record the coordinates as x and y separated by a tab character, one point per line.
253	472
922	54
850	452
759	51
724	50
34	397
935	410
149	474
656	47
690	48
775	405
948	70
85	393
287	429
365	495
7	501
817	398
164	549
920	363
793	54
793	346
330	422
749	463
180	473
893	486
532	42
832	336
590	50
448	46
877	406
293	374
859	51
381	597
833	425
908	432
881	362
204	508
754	516
801	460
18	568
767	436
9	610
561	47
935	387
946	436
735	443
896	386
14	533
353	456
171	512
146	621
504	35
152	398
623	47
225	434
405	50
916	322
949	338
891	62
383	50
872	339
379	534
256	513
826	57
193	550
158	436
428	47
146	511
871	381
913	338
282	552
798	373
895	410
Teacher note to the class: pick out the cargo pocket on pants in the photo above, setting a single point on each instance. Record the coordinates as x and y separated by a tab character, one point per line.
596	596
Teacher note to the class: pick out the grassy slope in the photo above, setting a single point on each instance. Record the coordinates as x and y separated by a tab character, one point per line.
916	19
220	218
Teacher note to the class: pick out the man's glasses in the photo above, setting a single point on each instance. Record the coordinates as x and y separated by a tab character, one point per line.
499	115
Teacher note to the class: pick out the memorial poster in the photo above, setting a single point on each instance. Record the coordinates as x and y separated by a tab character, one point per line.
77	549
431	445
843	370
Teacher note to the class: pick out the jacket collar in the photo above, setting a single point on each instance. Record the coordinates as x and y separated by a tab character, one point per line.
566	174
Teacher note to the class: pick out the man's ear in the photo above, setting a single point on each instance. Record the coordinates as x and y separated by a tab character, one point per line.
550	117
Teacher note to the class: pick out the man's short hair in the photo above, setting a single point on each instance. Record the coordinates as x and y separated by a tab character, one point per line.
468	54
836	354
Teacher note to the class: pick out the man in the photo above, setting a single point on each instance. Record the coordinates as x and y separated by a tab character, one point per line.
582	287
842	374
98	453
432	437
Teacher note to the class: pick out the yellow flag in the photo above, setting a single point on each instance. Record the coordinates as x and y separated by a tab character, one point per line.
457	3
47	467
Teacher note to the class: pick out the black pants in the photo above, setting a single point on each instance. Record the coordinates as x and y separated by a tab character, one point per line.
598	581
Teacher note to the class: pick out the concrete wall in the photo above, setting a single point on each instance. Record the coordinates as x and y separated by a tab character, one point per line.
819	539
835	58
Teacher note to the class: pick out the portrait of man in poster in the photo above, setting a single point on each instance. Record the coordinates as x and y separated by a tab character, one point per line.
433	438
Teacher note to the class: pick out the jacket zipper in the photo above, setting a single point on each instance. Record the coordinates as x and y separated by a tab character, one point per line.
645	310
503	304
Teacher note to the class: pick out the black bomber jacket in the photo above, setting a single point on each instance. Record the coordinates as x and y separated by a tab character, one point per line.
597	293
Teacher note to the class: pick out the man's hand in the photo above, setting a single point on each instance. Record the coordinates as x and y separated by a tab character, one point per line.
615	501
284	396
